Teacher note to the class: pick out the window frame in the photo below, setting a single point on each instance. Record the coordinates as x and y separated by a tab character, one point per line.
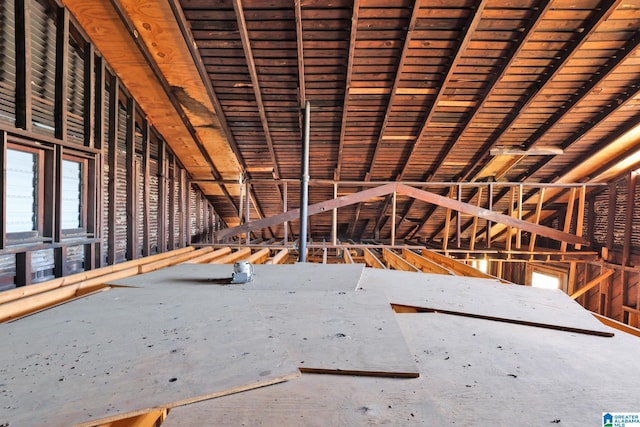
549	270
37	235
84	181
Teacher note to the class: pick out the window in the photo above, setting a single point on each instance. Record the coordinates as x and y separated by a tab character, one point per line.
546	281
22	192
548	277
72	195
480	264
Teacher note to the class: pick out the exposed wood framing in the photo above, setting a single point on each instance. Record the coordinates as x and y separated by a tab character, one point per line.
23	65
424	264
132	179
238	255
591	284
62	71
114	103
372	260
411	192
396	262
209	256
279	258
628	223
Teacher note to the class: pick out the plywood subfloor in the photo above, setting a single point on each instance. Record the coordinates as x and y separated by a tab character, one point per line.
315	277
338	332
484	298
126	351
474	372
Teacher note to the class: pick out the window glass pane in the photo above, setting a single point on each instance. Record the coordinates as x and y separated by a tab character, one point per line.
546	281
21	191
71	194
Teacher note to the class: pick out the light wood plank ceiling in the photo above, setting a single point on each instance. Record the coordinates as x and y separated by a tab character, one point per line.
417	91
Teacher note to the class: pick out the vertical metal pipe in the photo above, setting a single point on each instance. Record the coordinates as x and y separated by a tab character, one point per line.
334	218
459	220
247	214
304	183
285	192
490	207
393	220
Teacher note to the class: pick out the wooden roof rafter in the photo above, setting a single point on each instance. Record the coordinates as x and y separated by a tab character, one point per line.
469	30
345	107
527	34
608	68
512	55
556	67
300	47
251	64
387	114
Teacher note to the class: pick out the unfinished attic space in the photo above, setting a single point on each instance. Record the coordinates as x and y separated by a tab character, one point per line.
319	213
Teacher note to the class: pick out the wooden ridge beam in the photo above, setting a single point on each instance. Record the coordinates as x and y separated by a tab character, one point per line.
345	105
469	32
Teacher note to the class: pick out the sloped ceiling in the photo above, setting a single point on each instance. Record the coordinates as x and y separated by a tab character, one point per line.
414	91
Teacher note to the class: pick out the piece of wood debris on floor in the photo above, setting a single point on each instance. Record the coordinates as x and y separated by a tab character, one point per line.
474	372
484	298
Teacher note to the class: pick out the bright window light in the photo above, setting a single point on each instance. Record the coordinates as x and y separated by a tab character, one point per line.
545	281
480	264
